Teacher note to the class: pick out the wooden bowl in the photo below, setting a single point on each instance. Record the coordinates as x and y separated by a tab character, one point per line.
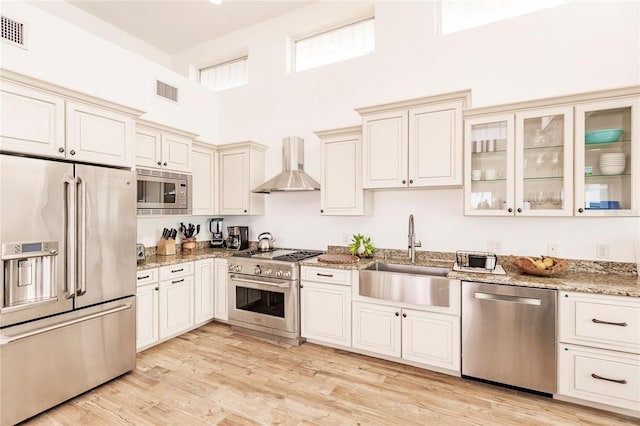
525	266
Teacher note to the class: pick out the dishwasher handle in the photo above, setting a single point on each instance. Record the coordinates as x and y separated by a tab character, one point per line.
506	298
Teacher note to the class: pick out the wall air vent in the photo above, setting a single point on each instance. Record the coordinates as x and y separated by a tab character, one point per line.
12	31
166	91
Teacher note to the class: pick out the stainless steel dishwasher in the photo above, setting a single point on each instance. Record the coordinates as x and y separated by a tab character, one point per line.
509	335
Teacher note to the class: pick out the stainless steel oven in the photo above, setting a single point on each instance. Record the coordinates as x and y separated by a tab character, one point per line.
264	293
161	193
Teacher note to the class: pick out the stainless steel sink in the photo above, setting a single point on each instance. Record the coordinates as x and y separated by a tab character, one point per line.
412	284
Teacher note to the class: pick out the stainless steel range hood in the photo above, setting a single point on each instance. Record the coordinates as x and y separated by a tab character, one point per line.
292	177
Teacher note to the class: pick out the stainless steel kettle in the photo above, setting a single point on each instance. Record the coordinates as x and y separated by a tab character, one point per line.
265	241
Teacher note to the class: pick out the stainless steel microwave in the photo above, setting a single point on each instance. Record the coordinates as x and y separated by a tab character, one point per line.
161	193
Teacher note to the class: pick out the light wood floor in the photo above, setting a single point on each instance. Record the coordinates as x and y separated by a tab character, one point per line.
214	375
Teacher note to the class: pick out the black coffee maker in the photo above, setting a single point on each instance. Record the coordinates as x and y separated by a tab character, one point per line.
238	238
215	226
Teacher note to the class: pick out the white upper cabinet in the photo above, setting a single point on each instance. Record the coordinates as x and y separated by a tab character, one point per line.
341	191
204	159
50	121
608	169
163	147
241	170
96	135
415	143
32	121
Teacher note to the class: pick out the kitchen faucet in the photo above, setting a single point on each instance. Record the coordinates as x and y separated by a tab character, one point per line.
412	241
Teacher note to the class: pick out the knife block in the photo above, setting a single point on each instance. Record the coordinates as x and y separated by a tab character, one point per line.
166	247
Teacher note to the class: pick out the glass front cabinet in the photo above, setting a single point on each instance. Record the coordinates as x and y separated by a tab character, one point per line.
607	166
580	157
520	164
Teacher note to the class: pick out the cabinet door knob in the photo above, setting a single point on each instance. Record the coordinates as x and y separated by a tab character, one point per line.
519	210
321	211
410	180
72	152
245	210
61	149
165	163
157	288
510	210
580	210
404	181
159	163
301	286
397	314
404	315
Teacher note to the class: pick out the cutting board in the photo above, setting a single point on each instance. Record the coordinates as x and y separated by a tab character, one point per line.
337	258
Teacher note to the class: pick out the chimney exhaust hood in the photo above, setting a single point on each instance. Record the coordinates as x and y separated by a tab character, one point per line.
292	177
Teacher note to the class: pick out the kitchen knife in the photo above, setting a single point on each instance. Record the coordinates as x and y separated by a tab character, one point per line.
197	230
174	232
165	233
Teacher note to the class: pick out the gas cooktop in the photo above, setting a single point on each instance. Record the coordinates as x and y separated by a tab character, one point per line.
280	254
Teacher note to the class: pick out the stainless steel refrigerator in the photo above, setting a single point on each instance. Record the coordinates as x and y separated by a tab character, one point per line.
67	304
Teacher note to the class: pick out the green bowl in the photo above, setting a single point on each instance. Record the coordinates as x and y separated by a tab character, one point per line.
603	136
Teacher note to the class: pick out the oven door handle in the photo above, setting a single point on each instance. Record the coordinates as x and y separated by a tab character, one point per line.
282	284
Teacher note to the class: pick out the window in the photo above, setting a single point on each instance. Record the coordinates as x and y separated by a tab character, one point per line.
226	75
458	15
337	45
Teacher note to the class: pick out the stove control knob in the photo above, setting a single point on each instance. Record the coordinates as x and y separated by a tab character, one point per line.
267	272
279	274
257	271
238	268
287	274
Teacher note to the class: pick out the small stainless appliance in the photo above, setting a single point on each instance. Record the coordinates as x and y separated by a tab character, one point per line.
238	238
265	241
162	193
140	255
509	335
264	292
67	299
215	226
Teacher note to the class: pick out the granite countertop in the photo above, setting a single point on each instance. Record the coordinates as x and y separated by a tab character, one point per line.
583	282
155	261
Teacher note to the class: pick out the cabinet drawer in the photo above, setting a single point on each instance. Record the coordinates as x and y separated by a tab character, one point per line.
609	322
177	270
326	275
147	276
602	376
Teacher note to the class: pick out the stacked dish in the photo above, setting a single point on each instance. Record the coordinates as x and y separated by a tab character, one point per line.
612	163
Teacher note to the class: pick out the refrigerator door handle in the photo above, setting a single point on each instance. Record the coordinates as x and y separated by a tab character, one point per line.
9	339
70	235
82	237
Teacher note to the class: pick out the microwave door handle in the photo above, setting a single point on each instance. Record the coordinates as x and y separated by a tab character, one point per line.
82	237
282	284
70	236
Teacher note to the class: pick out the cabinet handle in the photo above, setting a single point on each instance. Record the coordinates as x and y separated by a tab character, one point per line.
410	180
177	270
619	324
580	210
61	149
404	315
177	281
72	152
510	210
621	381
519	210
157	288
159	163
404	181
165	163
142	278
397	314
324	275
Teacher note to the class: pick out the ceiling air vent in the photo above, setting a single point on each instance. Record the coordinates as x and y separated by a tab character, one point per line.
12	31
166	91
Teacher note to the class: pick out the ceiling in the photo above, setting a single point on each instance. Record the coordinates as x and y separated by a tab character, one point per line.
173	26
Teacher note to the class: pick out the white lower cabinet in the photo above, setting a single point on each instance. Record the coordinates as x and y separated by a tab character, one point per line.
203	291
325	311
599	351
428	338
147	309
176	306
221	310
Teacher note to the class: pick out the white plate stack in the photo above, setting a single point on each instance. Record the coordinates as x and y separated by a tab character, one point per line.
612	163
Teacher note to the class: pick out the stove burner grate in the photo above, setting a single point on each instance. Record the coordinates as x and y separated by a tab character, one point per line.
298	255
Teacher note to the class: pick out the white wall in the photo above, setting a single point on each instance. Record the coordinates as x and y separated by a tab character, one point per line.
547	53
70	56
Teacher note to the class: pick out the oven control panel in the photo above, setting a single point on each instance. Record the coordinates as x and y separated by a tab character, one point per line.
287	271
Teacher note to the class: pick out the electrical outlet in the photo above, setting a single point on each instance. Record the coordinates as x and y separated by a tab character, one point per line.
602	251
552	249
494	246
